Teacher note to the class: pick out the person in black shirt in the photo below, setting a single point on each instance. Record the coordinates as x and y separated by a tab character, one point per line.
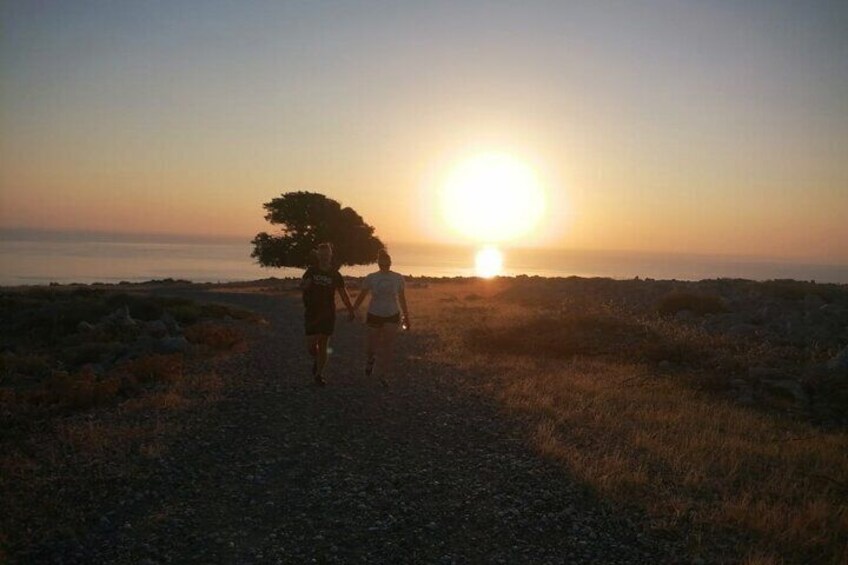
319	285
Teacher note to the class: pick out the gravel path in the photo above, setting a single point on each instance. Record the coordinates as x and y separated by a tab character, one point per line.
280	471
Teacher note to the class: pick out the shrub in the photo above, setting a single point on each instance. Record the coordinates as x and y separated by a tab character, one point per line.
93	352
558	337
186	313
154	368
140	307
79	391
60	384
697	303
216	336
31	365
106	389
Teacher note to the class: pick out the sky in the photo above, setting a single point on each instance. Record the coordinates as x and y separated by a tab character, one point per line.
670	126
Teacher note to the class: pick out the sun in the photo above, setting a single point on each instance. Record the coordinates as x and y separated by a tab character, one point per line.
488	262
491	198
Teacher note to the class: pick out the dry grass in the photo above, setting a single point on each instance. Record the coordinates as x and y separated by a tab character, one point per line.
688	458
153	368
214	335
697	303
770	487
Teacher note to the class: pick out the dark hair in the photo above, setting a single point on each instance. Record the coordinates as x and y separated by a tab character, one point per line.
382	254
325	245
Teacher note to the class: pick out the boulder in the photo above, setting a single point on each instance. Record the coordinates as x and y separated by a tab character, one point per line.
832	310
171	323
169	344
85	327
120	318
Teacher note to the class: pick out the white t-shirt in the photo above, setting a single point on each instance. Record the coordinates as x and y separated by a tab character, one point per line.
384	287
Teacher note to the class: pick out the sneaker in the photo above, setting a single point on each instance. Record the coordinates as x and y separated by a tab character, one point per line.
369	365
319	380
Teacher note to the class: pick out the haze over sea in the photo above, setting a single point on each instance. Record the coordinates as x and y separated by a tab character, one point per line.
29	257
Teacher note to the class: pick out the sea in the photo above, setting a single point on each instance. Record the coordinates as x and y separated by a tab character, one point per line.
30	257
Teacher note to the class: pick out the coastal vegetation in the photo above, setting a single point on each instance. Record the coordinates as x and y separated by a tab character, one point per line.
74	348
719	408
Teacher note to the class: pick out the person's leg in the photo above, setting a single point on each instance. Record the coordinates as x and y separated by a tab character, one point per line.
372	339
323	342
387	351
312	349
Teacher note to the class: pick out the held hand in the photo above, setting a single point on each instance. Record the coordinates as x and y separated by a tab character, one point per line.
405	324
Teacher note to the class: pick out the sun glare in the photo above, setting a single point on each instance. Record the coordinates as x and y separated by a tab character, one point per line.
492	198
488	262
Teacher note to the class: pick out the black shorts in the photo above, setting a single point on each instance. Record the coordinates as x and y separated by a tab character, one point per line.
375	321
322	323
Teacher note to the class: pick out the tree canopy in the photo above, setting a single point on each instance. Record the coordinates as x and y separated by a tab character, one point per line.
307	219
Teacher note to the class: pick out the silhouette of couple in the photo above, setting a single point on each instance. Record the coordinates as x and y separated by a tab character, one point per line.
319	285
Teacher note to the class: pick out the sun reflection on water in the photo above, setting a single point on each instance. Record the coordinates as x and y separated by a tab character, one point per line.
488	262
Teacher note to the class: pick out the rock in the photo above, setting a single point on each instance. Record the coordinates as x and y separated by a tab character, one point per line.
787	388
85	327
832	310
739	383
665	365
156	328
120	318
176	344
171	323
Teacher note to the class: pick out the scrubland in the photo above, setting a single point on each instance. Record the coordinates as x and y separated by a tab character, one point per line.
88	378
718	408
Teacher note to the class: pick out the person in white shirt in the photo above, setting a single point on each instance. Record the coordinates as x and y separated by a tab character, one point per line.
388	301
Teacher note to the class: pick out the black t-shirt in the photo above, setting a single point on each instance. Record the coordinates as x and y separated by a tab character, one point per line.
320	297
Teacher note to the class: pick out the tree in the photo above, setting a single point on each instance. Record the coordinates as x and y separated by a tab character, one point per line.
307	219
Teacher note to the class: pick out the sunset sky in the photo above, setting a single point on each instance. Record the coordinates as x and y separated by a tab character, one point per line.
701	126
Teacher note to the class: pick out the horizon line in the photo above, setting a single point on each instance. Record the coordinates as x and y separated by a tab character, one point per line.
99	235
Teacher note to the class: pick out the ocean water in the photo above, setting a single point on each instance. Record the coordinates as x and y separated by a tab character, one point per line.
28	258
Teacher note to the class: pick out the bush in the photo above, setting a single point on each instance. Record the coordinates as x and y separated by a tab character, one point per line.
186	314
78	391
216	336
154	368
697	303
31	365
91	352
559	337
604	334
140	307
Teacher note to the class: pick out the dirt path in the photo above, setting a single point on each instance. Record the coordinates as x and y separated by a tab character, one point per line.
282	472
